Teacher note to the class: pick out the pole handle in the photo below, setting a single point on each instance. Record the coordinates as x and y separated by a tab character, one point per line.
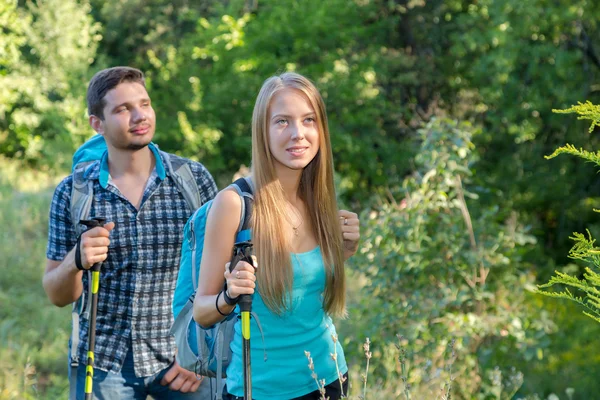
242	251
91	224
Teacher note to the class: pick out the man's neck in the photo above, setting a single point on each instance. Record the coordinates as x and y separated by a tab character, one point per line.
130	163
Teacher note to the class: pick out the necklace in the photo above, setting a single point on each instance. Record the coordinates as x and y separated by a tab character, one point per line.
298	217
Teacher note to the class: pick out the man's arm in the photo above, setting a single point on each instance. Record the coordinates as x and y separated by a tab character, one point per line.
62	279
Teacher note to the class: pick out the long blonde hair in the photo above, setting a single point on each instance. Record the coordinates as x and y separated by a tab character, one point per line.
272	248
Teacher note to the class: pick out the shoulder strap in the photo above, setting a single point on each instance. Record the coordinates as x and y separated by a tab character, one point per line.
192	240
245	189
82	194
184	178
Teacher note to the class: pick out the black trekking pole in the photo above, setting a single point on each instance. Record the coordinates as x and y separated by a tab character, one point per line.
95	284
242	251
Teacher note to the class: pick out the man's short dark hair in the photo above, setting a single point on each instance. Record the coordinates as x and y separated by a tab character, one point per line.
106	80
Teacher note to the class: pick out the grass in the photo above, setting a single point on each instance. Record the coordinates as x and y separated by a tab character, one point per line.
33	332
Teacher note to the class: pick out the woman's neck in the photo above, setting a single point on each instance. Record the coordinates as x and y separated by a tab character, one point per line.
290	184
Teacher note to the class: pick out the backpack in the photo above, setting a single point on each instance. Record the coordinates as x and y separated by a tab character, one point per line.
204	351
81	201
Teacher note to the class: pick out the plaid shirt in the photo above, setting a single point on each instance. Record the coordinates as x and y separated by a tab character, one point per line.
138	278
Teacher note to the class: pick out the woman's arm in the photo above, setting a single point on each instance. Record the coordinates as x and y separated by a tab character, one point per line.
221	227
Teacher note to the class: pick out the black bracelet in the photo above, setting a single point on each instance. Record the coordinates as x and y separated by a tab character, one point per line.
229	300
78	254
217	305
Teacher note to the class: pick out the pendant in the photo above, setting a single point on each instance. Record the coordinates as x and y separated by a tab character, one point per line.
295	230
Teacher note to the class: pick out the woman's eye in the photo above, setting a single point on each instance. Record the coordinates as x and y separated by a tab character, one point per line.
281	122
310	120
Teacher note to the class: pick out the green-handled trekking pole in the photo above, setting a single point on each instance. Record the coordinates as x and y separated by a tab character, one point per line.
95	285
243	252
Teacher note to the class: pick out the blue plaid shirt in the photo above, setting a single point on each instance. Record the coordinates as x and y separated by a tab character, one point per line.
138	278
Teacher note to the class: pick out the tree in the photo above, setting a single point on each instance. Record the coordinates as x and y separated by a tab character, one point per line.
48	47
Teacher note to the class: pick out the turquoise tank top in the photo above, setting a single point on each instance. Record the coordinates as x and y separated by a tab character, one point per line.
305	327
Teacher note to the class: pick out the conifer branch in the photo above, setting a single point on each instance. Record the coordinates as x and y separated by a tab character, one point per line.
584	248
585	110
570	149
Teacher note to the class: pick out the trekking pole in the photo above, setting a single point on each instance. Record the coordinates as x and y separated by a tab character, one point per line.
95	284
242	251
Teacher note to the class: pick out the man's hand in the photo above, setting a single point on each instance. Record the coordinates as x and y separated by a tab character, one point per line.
350	232
180	379
94	245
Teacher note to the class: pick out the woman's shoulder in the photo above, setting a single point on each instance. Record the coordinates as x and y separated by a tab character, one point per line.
227	204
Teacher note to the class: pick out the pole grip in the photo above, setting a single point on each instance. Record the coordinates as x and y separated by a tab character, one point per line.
242	251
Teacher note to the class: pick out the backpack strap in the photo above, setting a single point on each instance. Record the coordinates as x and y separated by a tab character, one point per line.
220	345
184	178
82	194
245	189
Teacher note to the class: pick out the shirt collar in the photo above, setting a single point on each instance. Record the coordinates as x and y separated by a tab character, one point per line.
104	175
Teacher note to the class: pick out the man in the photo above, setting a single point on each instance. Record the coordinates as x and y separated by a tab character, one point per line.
135	189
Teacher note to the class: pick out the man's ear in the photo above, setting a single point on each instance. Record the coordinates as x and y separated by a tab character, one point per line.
97	124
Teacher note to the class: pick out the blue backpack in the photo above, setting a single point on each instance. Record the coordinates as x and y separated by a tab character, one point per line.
204	351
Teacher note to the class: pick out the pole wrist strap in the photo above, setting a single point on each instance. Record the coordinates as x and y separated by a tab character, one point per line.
78	263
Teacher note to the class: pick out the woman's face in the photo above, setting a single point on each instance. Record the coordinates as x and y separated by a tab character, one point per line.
293	130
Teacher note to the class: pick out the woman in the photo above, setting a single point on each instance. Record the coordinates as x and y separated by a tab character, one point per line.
300	240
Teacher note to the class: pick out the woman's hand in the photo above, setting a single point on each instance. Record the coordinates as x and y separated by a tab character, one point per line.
350	232
242	280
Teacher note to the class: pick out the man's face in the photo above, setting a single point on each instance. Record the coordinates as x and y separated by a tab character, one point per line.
129	119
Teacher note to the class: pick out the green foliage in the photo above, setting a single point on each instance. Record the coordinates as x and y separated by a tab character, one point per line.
439	267
48	46
219	67
33	332
385	68
584	248
570	149
585	110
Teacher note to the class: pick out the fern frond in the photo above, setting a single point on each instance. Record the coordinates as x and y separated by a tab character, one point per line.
585	110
